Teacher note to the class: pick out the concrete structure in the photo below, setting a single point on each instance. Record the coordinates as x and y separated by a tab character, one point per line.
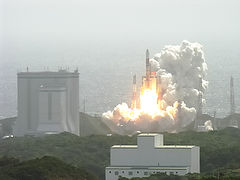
48	102
200	105
232	97
151	156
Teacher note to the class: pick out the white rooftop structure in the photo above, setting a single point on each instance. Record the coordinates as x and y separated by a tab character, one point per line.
151	156
48	102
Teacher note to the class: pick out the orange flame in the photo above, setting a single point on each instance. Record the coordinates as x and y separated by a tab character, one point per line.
148	100
150	105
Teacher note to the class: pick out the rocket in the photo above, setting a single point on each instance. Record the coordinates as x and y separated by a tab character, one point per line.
134	98
148	70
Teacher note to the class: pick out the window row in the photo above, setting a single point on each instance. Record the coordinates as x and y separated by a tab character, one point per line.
130	173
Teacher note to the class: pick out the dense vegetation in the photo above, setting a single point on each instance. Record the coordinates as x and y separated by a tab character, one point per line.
91	153
90	125
219	149
6	126
45	168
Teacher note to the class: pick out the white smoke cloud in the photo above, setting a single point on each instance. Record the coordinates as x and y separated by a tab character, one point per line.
183	66
120	112
208	125
180	68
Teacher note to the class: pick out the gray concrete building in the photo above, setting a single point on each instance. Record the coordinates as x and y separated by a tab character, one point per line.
48	102
151	156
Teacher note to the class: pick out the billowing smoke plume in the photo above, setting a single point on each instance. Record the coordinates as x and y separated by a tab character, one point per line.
182	71
208	125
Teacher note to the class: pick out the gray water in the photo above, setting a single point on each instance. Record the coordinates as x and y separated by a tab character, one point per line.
106	71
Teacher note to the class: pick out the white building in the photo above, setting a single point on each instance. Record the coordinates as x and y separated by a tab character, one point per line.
48	102
150	156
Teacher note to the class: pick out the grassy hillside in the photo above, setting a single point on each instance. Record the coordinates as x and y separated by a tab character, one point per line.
90	125
219	149
45	168
90	152
222	123
6	126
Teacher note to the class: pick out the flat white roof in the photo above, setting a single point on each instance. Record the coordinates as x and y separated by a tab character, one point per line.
47	74
150	168
148	134
125	147
157	147
174	147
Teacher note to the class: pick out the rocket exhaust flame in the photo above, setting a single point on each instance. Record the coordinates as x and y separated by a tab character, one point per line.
149	102
170	92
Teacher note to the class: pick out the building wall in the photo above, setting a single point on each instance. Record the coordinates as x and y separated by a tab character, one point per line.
151	156
195	160
29	85
113	173
151	152
52	110
148	141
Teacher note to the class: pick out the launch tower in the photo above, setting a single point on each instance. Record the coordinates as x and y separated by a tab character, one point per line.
232	98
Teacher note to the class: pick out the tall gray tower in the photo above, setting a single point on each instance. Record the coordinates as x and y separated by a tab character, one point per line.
48	102
233	121
232	98
199	108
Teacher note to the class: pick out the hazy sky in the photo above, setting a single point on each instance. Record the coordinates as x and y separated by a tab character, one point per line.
108	38
89	20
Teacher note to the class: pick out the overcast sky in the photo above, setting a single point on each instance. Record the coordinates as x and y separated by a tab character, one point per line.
39	20
40	33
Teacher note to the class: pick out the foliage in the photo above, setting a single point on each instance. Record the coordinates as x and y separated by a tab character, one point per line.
90	152
90	125
219	150
45	168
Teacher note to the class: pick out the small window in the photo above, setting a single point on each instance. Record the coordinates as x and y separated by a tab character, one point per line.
122	171
130	173
145	173
110	172
137	172
171	173
116	173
